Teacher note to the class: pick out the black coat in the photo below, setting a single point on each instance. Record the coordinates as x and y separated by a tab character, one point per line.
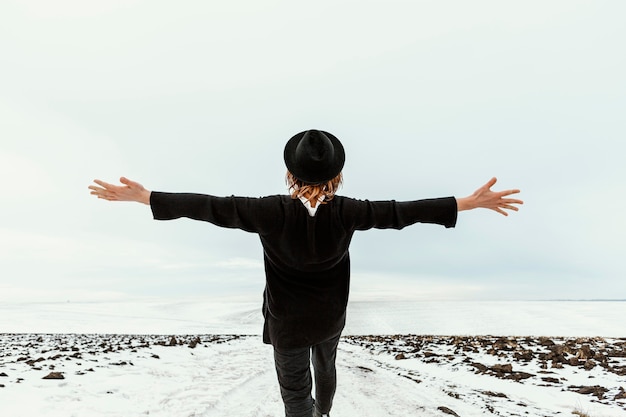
307	264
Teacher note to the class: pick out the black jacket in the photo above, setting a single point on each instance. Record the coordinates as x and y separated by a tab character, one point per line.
307	265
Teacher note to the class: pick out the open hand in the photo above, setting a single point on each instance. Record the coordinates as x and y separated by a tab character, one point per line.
493	200
130	191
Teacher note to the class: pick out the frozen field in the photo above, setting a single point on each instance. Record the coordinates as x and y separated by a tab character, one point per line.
197	358
216	316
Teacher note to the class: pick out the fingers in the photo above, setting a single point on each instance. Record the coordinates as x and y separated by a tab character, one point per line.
130	183
507	192
112	187
490	183
128	191
96	190
499	210
505	202
101	193
105	190
509	207
502	207
484	197
108	186
502	194
103	184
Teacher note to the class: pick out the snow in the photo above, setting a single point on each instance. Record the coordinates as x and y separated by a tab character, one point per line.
119	359
223	315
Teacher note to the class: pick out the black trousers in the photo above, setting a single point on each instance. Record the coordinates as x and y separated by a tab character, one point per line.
293	367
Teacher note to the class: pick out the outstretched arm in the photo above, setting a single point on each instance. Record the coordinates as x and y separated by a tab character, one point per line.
130	191
494	200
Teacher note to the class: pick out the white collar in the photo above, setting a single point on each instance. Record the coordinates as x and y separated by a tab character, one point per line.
307	204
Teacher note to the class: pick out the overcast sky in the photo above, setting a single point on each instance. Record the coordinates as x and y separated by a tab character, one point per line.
430	98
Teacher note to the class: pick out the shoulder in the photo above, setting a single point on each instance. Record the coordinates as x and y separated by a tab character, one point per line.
344	202
275	202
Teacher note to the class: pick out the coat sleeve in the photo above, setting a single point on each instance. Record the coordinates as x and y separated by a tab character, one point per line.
256	215
365	214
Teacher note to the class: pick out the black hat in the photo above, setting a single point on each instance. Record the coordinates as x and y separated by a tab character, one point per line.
314	156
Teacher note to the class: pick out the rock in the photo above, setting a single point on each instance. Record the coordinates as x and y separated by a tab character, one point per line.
54	375
400	356
573	361
621	395
506	368
596	390
31	362
194	343
560	349
454	394
412	378
621	371
525	355
447	411
590	364
479	367
518	376
495	394
3	374
550	380
458	340
505	344
585	352
173	341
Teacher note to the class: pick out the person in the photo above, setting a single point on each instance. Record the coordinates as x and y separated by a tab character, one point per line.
305	237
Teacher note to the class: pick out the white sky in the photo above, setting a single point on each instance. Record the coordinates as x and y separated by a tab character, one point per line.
430	98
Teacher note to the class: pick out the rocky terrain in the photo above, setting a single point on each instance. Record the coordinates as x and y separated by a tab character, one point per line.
543	361
443	374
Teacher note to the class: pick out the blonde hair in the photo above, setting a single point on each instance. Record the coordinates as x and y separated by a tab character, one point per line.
313	192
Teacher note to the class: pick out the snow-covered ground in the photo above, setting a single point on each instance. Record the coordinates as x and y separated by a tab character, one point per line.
233	316
192	358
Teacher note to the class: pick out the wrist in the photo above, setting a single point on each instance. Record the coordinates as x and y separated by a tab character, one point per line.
145	197
465	203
